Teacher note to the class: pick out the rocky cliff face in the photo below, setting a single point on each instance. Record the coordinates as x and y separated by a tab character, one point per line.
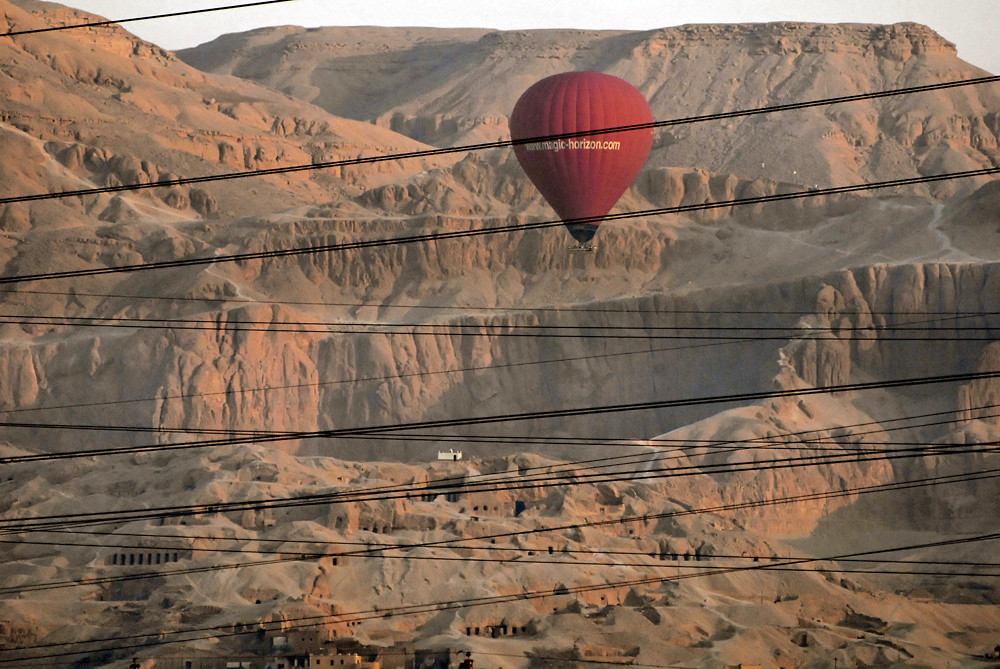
257	354
451	87
98	107
707	306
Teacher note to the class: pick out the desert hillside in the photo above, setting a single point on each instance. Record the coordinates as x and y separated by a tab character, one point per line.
451	87
233	459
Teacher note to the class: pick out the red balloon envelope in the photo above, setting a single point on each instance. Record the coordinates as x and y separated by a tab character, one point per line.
581	177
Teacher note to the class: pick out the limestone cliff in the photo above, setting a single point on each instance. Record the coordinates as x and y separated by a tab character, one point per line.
458	86
645	514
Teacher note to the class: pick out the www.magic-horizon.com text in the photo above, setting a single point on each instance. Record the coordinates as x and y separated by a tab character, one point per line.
567	144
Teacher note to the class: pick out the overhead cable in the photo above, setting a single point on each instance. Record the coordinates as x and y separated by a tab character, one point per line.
427	153
501	329
411	491
623	309
135	19
703	562
302	547
479	232
143	640
509	417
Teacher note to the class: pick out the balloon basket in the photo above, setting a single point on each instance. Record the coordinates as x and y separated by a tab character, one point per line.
583	248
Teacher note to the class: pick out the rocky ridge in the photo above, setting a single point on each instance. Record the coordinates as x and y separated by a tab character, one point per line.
68	93
452	87
719	303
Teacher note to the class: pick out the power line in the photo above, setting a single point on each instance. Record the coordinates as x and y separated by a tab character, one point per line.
623	310
774	442
966	477
471	368
427	153
499	329
45	522
134	19
586	133
479	232
906	485
463	484
701	562
383	377
467	485
616	333
165	636
885	425
457	370
503	418
298	554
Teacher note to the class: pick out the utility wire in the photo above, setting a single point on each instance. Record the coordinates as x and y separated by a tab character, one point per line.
624	310
164	637
421	374
593	132
886	425
669	446
134	19
59	521
383	377
936	480
791	440
487	548
441	486
626	333
458	543
505	418
490	329
703	562
300	553
479	232
427	153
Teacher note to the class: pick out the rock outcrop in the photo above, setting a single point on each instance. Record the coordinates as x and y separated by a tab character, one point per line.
320	335
447	87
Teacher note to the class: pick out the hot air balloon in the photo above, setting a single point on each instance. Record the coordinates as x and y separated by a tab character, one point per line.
583	176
